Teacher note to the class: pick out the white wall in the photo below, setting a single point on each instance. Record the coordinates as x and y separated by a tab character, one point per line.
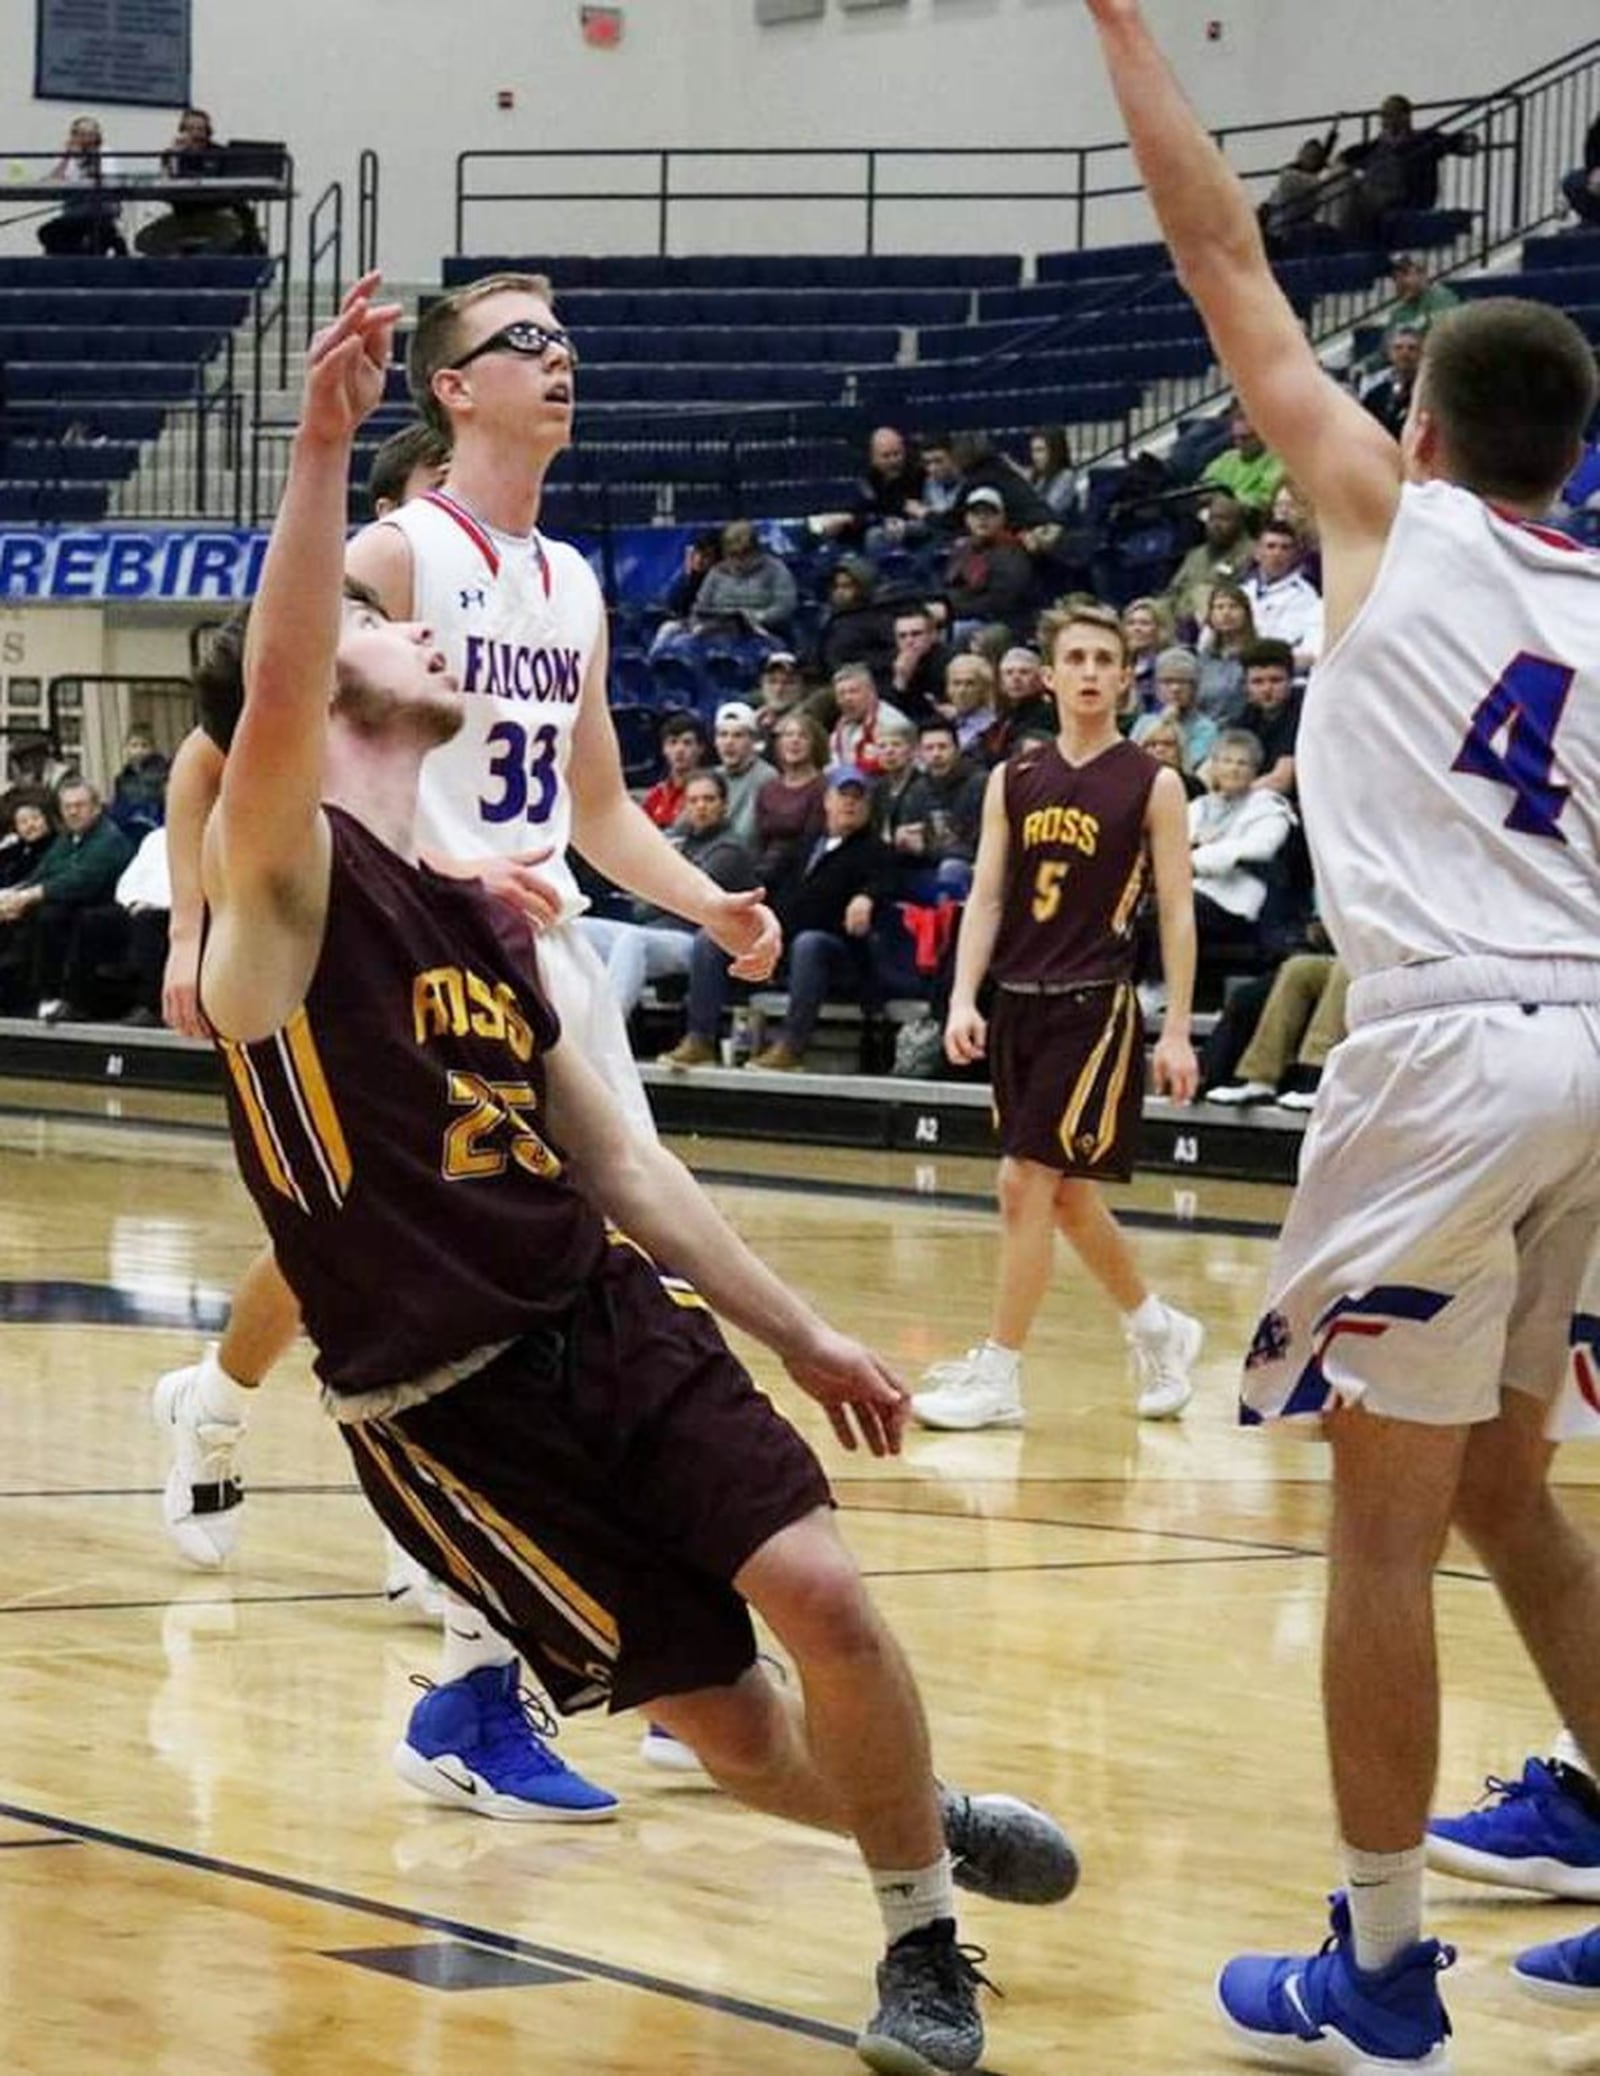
417	81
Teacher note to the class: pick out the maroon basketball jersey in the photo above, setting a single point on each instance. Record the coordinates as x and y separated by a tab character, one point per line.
392	1132
1076	866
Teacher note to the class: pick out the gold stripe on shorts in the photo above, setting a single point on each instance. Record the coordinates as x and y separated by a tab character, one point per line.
1106	1119
464	1574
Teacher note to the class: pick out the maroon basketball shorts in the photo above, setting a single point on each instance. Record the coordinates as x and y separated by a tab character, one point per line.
1068	1075
595	1493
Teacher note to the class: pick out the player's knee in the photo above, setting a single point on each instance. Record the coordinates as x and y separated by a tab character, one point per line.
1023	1189
1074	1202
820	1608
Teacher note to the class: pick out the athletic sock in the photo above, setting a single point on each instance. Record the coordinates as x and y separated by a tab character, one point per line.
913	1899
1149	1320
1385	1892
1568	1750
469	1642
997	1365
219	1396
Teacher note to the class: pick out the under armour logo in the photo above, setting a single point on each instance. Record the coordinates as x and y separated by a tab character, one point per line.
474	597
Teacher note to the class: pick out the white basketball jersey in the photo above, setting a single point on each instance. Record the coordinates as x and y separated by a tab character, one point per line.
1449	754
518	620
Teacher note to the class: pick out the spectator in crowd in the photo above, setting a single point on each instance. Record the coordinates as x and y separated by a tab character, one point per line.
989	575
79	870
888	510
117	952
1178	709
748	591
744	770
1285	604
1244	467
683	752
968	705
984	467
87	224
941	484
1388	395
1301	1022
1396	169
936	830
33	761
1230	630
1051	473
916	675
780	689
1224	555
1582	185
409	462
1147	629
139	791
894	797
1235	832
789	805
1271	712
1302	197
1026	709
1291	507
700	558
201	223
1163	740
653	943
1418	298
827	925
862	715
856	628
31	831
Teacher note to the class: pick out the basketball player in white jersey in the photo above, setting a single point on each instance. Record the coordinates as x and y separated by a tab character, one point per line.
522	623
1433	1261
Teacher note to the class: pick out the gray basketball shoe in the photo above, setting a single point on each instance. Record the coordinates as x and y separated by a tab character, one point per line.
1006	1849
927	2021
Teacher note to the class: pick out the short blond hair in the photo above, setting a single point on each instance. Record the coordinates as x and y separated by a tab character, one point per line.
436	342
1054	623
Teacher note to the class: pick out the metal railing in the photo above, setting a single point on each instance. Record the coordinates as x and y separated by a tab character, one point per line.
324	241
368	173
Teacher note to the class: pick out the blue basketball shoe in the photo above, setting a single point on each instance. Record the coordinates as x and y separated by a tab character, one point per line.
1323	2012
472	1743
1567	1971
1541	1832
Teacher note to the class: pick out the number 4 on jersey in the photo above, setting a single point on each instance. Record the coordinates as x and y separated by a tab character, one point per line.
1512	741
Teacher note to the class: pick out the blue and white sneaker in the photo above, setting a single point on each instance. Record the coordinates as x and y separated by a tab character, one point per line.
1567	1971
1541	1832
1323	2012
473	1743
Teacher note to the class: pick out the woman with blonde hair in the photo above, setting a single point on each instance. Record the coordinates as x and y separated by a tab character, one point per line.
1230	629
1147	627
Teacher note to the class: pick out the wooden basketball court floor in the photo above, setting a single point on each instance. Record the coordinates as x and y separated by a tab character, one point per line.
207	1864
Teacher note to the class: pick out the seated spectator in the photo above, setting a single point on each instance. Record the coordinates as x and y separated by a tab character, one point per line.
936	828
139	793
1284	603
968	706
683	752
789	806
118	952
1229	631
33	828
1388	396
1235	831
198	223
1027	711
888	511
1291	507
413	460
1245	468
1582	185
1271	713
1178	709
894	797
1163	740
79	870
88	221
700	557
916	675
744	770
1051	473
1146	629
749	594
780	689
984	467
1225	555
1396	169
941	485
989	575
654	944
1301	200
32	761
862	716
827	926
856	628
1419	299
1301	1022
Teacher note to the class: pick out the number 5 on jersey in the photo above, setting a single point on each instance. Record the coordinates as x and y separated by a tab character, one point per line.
1523	713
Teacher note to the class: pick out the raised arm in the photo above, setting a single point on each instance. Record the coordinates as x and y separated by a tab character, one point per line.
1347	464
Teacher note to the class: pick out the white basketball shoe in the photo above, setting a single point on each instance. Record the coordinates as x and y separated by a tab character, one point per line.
1162	1362
203	1500
979	1389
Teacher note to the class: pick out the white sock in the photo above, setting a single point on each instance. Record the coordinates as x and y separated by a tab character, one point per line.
1385	1892
910	1899
469	1642
1568	1750
997	1365
1149	1320
219	1396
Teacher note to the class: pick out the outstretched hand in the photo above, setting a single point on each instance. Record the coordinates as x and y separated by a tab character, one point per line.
347	364
747	930
855	1389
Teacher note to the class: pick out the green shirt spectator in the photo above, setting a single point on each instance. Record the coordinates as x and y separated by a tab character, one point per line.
1420	300
1245	468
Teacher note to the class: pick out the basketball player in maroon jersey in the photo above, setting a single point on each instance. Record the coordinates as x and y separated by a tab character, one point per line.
539	1412
1073	831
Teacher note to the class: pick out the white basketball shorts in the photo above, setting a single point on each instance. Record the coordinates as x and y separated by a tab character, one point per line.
591	1019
